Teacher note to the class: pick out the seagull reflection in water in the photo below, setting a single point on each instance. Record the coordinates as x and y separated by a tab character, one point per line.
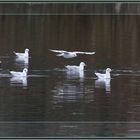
18	81
103	83
73	89
75	75
24	61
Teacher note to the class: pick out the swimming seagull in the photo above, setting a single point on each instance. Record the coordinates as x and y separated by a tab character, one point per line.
20	74
22	55
104	76
76	68
67	54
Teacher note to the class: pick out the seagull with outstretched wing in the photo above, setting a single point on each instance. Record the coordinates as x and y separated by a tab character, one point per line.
67	54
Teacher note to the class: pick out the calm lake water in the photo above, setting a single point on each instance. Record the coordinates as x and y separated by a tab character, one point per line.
53	102
58	103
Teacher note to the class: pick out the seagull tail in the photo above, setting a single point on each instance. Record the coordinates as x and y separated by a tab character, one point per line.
14	52
96	73
50	50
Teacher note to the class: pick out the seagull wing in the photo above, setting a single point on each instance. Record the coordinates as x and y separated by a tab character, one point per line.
58	51
99	75
71	67
19	54
13	72
90	53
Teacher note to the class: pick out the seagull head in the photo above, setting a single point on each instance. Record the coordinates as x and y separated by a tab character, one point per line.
26	50
25	70
82	64
108	70
74	54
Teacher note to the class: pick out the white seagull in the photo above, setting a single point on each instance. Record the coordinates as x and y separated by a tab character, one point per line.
22	55
76	68
67	54
20	74
104	76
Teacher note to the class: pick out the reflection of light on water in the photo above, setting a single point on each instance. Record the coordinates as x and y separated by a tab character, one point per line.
75	74
25	60
18	81
118	7
19	61
72	90
103	83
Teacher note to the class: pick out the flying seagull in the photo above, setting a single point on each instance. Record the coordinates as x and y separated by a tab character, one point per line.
67	54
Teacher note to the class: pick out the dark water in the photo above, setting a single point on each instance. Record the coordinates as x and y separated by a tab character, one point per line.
52	102
58	103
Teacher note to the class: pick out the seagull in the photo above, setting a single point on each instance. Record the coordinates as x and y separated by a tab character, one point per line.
67	54
104	76
76	68
22	55
20	74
